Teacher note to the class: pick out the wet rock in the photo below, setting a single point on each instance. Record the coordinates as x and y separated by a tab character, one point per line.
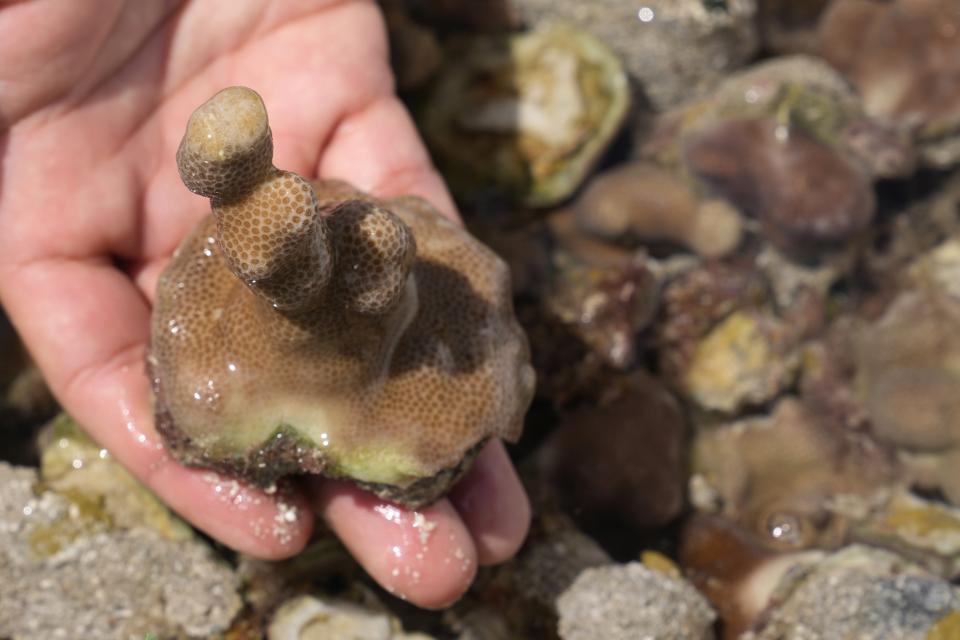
415	52
492	15
794	284
25	400
747	359
101	582
787	142
904	58
313	618
555	554
480	623
800	93
24	397
859	592
74	466
924	531
267	584
945	628
518	599
526	115
907	371
602	294
675	49
695	301
735	569
790	26
826	384
632	601
577	323
640	202
620	464
791	480
807	197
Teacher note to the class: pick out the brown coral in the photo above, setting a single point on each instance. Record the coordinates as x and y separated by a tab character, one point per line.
807	196
311	327
640	201
903	56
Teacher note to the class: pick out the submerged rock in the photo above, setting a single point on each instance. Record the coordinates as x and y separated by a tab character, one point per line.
415	53
74	466
491	15
806	196
312	618
518	599
747	359
675	49
312	328
695	302
97	581
602	294
632	601
924	531
621	463
25	400
787	142
735	569
551	560
790	479
799	92
790	26
908	370
528	115
859	592
904	58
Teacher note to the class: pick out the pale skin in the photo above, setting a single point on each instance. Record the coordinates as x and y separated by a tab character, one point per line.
94	96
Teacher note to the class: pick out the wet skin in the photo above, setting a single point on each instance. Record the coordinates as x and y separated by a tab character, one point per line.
93	99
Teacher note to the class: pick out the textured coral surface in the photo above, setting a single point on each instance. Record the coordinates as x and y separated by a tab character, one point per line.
311	327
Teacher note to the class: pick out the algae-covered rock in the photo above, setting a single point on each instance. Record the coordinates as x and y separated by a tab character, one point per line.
925	531
859	592
908	370
674	49
746	359
904	58
74	466
529	114
789	478
313	618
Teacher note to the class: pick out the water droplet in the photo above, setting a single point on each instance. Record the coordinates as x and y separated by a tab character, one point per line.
785	528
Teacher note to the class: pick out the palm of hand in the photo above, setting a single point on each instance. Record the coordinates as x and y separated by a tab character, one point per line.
91	208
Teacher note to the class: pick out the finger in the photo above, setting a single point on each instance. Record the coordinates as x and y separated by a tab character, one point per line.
378	150
424	556
493	505
87	327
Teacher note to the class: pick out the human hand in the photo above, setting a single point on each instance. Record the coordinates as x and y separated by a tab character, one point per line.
94	97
